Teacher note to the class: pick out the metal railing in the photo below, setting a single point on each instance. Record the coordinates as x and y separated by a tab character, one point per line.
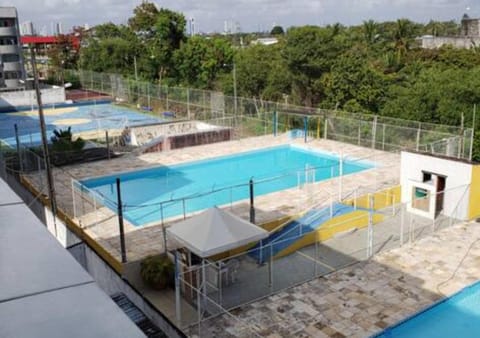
259	117
329	248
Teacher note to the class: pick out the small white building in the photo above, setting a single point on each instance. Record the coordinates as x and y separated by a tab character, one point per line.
434	185
265	41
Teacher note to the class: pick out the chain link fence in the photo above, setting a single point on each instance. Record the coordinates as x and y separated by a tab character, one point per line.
254	117
220	284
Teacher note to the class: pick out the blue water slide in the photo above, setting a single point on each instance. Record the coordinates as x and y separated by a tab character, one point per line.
295	230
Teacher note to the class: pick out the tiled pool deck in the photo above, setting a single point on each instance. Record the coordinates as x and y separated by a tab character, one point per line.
365	298
148	240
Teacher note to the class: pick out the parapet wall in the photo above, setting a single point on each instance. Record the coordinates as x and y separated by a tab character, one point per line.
146	134
10	100
433	42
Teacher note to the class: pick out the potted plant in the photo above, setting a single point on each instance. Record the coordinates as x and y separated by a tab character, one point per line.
157	271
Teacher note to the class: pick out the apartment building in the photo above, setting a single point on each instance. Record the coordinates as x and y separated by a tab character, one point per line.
12	72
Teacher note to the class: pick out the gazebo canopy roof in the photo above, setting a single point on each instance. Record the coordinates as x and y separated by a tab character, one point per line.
215	231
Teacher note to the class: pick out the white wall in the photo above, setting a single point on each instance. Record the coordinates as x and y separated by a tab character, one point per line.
110	282
458	175
28	98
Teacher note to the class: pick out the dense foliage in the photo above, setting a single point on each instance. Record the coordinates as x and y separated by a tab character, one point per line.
374	68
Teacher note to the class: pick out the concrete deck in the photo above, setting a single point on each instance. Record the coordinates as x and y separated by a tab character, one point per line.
148	240
366	297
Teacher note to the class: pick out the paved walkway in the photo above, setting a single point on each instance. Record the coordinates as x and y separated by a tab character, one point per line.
148	240
365	298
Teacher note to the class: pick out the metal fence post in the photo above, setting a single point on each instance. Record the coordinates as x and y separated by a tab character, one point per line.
166	97
108	144
325	133
359	134
419	130
120	222
188	103
374	132
316	254
73	199
470	153
370	228
252	200
39	166
305	128
270	268
383	137
164	231
178	303
19	153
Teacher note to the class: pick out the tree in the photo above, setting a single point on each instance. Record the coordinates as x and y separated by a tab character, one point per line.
161	32
144	19
63	54
309	52
253	67
402	34
199	61
277	30
353	80
370	31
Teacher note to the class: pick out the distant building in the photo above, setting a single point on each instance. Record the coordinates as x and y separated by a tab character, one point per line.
57	28
265	41
26	28
191	27
469	36
12	72
231	27
470	27
42	45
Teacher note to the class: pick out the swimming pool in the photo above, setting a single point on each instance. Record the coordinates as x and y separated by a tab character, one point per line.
80	117
272	169
456	316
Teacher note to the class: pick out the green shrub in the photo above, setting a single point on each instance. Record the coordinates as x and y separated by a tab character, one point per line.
157	271
62	141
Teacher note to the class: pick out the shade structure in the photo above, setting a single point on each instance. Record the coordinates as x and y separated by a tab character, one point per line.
215	231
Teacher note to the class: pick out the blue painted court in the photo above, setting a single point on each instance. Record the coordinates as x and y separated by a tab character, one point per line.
216	181
80	117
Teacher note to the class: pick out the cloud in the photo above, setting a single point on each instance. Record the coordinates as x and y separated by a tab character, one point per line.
250	14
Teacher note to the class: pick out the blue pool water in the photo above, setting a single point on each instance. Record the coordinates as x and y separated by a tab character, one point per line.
97	116
272	169
457	316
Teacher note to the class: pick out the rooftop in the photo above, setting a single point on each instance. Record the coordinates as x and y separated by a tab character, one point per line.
45	292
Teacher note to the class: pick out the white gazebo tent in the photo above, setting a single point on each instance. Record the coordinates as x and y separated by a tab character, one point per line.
212	232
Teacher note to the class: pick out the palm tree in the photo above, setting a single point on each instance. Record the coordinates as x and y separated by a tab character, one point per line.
62	140
370	31
402	33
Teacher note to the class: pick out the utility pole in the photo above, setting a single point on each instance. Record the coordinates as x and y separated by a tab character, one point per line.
46	154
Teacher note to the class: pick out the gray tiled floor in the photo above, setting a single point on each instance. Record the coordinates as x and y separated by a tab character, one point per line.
366	297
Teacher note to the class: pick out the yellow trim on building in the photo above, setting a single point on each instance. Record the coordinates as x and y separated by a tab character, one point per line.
474	198
381	199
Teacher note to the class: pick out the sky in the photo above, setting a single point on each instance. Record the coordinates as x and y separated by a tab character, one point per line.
251	15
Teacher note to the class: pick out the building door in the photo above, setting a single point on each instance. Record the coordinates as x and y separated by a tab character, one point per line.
441	182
